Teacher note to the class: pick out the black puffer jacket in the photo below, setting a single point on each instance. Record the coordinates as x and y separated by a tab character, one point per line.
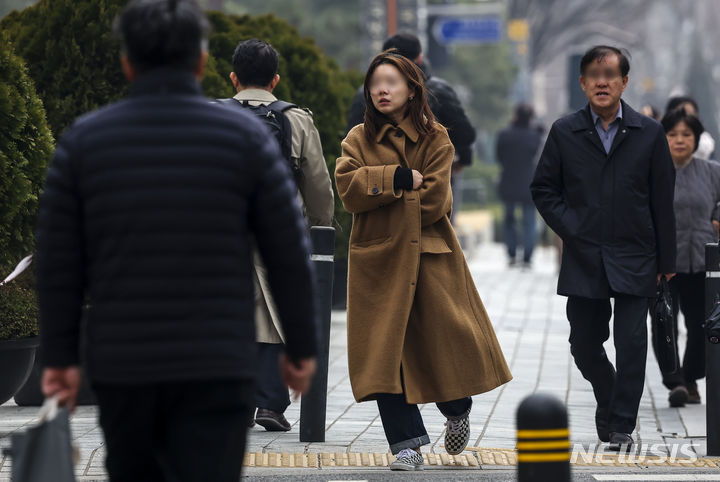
144	233
447	108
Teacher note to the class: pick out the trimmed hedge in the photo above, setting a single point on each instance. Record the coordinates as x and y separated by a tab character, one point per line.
19	312
25	149
71	54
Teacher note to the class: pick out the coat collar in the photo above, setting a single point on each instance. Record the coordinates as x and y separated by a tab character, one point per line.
406	126
258	95
165	80
582	119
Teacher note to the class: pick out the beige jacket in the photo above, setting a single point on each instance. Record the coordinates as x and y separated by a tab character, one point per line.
316	198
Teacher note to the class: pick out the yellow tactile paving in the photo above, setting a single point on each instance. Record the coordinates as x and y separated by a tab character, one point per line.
477	457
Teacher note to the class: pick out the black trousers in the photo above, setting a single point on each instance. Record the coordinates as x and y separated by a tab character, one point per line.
619	391
688	296
184	431
272	393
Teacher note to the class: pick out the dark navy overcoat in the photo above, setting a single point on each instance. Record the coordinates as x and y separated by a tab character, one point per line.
613	211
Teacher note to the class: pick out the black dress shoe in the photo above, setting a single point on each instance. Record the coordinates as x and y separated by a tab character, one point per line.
693	395
620	442
678	396
601	424
272	421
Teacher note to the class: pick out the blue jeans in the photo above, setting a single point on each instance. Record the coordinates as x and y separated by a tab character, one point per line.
403	424
529	224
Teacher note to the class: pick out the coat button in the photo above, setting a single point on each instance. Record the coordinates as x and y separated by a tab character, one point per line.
375	190
398	134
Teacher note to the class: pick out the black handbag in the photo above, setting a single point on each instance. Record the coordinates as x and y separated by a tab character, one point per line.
712	324
663	329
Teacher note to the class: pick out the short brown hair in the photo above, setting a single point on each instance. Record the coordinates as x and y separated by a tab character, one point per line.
418	109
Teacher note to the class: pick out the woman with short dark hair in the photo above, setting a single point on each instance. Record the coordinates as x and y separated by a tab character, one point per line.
417	329
697	193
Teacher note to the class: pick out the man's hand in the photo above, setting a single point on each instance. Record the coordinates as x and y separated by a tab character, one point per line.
668	276
417	179
62	382
298	375
716	226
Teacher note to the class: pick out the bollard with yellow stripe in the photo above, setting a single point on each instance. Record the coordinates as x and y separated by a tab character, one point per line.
543	440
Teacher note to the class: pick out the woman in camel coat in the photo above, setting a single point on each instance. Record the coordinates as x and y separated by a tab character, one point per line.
417	329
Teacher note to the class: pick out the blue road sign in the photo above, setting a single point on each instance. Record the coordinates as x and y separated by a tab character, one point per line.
468	30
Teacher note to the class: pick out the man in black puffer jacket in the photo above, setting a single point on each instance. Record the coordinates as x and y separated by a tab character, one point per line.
144	234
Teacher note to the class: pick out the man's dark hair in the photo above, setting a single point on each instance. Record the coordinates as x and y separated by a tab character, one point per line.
255	63
677	101
676	116
407	45
163	33
599	52
523	115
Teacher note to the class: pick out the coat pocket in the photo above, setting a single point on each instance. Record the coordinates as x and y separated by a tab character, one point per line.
370	242
434	245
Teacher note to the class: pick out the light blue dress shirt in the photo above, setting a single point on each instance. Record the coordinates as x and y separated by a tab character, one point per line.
607	136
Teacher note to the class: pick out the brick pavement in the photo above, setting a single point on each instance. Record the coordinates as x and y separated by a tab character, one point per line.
530	323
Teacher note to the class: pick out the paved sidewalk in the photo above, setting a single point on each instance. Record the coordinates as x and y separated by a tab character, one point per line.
530	322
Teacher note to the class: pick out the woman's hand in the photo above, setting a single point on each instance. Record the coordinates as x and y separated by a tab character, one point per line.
417	179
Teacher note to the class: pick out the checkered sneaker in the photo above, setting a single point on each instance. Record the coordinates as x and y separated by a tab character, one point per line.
457	434
407	459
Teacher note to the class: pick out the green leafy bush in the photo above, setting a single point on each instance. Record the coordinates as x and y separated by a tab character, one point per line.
25	149
71	54
18	308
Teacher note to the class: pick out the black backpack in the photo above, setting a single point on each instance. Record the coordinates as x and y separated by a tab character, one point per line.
273	115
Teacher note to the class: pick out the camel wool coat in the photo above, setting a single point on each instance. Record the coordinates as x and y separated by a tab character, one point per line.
416	324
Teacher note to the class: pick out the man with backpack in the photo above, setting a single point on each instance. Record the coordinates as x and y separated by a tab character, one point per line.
255	67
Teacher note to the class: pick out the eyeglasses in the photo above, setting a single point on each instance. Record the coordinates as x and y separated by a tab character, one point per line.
596	75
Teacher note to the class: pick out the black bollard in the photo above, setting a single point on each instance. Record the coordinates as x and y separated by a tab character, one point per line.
543	440
314	403
712	352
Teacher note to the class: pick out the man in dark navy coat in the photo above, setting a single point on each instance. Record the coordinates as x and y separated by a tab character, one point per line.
605	185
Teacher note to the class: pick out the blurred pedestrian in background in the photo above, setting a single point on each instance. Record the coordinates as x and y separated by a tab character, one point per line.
144	233
417	329
255	76
605	184
650	111
516	151
706	145
697	193
444	104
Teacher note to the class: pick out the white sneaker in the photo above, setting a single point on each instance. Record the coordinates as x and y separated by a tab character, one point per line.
407	459
457	434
